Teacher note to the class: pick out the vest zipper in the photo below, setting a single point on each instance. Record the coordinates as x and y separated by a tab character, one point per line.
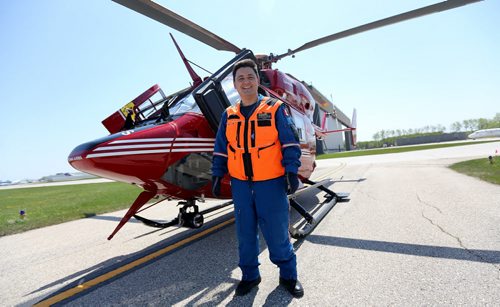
247	159
238	134
258	151
252	133
245	136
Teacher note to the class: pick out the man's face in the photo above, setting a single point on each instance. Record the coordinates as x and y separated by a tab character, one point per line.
246	83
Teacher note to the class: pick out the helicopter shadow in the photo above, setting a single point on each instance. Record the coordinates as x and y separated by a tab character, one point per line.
102	265
108	218
475	255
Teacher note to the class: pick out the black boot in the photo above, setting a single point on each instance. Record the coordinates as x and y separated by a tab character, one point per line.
293	286
246	285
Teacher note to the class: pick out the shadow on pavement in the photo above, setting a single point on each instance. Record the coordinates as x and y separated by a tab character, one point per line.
200	273
203	272
477	255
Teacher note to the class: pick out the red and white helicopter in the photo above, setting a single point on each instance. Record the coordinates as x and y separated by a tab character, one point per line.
168	150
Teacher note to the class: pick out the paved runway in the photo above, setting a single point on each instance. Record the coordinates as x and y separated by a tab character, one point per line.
413	233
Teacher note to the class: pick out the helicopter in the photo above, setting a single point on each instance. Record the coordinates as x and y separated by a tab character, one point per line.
164	143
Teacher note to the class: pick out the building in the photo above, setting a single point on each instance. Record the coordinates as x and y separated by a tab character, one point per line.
331	118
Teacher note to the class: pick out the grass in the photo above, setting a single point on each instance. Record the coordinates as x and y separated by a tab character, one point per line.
46	206
395	149
480	168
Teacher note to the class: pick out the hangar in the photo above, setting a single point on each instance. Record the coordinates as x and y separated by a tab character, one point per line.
330	117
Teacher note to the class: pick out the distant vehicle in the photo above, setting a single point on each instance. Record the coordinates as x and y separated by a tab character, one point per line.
5	183
485	133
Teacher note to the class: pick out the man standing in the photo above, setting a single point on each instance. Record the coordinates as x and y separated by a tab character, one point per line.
258	145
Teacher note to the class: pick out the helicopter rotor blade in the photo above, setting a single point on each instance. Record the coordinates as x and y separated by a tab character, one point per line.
175	21
434	8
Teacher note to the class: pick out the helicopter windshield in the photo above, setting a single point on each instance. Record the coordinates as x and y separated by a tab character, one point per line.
186	104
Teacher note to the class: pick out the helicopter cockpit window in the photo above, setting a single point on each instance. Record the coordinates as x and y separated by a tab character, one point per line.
228	87
231	93
299	124
171	108
152	105
186	104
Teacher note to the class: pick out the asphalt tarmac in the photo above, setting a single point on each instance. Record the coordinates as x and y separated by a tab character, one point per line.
413	233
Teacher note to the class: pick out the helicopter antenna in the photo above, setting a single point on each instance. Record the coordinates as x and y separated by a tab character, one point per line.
211	73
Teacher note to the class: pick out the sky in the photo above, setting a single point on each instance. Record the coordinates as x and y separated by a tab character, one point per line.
66	65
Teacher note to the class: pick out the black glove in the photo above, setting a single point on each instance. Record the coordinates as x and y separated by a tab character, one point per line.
216	186
293	182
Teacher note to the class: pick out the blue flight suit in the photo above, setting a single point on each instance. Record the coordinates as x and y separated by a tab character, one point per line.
262	203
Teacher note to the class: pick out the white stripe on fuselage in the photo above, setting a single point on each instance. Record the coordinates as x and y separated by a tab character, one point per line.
160	140
132	146
143	152
124	153
151	146
202	144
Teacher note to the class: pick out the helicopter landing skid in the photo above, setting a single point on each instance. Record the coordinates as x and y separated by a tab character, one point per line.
189	216
311	219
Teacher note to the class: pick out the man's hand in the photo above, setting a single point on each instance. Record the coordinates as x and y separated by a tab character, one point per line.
293	182
216	186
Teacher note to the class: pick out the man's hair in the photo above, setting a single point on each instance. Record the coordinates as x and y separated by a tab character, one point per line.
245	63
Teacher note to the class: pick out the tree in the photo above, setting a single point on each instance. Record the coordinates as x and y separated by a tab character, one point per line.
483	123
467	124
382	134
495	122
441	128
456	126
474	124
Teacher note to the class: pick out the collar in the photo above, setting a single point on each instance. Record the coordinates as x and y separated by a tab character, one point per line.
259	99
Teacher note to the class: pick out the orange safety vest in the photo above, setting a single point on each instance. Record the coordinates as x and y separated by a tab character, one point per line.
254	149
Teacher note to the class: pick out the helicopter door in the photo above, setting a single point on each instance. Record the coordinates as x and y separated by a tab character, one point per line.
216	93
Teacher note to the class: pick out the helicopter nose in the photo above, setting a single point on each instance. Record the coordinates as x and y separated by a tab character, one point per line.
144	155
79	152
77	156
126	155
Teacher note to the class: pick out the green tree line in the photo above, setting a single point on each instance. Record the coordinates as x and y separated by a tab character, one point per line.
476	124
389	137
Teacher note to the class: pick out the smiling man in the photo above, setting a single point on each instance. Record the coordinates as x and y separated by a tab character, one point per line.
257	145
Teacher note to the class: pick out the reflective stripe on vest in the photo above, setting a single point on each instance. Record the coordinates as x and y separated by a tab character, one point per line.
254	149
